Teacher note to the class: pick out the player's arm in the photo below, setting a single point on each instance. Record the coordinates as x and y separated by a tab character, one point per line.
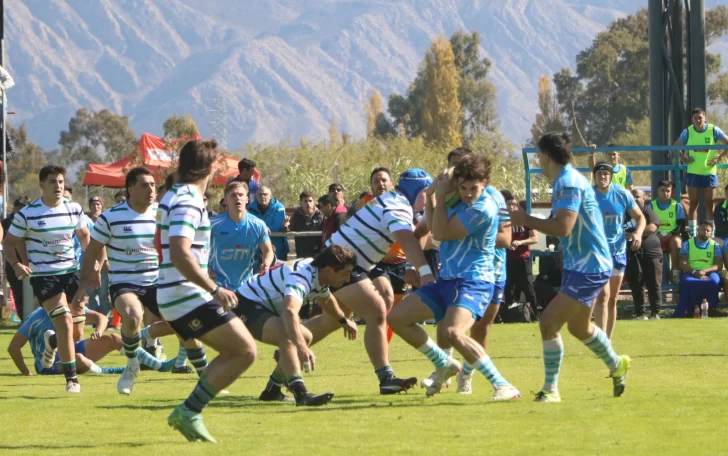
92	257
330	305
505	233
14	350
651	223
84	236
268	254
15	252
292	305
430	206
560	225
444	228
100	320
414	254
180	254
636	213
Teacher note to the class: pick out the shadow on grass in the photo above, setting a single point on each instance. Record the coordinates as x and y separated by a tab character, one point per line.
32	398
33	446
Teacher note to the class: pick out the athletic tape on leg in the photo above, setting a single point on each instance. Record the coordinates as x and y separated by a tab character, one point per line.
59	311
78	319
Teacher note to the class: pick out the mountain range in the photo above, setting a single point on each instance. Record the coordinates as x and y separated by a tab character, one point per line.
283	69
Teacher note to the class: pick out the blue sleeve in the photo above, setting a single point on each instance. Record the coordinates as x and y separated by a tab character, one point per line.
680	212
629	176
718	134
717	251
278	219
24	329
629	202
685	249
568	198
683	137
475	216
263	235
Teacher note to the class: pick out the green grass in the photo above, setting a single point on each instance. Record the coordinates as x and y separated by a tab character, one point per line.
674	404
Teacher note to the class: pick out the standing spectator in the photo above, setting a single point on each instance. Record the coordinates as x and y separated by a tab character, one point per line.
120	197
644	267
622	175
720	217
519	267
307	218
95	207
335	216
337	191
222	207
273	213
15	284
702	173
206	199
700	259
246	173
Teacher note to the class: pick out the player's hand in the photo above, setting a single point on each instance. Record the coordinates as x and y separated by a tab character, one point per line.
22	271
411	277
307	357
286	222
350	329
95	335
79	300
444	184
227	299
636	243
424	280
211	274
518	217
430	190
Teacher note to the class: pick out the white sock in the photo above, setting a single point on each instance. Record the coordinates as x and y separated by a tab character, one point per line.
94	369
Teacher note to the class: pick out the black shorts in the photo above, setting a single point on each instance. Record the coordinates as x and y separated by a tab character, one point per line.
254	314
46	287
394	272
147	295
357	275
200	321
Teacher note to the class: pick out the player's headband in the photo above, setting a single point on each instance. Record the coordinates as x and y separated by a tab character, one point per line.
602	166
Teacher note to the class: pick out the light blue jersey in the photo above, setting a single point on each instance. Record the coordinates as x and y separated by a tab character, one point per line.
77	243
472	257
33	329
613	206
585	249
234	247
499	263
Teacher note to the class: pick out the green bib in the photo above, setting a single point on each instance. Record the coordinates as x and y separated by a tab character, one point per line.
668	217
698	258
620	177
702	157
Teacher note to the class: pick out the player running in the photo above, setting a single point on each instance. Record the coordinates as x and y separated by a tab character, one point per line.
459	298
614	202
587	266
270	302
44	229
194	305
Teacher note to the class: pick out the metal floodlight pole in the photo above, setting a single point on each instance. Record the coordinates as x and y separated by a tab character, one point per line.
658	130
698	97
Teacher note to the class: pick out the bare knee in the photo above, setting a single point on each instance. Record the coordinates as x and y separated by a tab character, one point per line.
376	314
579	330
454	335
549	329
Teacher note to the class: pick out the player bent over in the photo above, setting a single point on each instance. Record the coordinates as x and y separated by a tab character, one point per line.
270	303
459	298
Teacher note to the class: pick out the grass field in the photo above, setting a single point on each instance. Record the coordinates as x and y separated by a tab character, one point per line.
675	403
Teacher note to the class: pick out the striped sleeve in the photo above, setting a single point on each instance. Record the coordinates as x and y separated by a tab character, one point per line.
19	225
298	285
81	223
101	232
397	214
184	219
475	216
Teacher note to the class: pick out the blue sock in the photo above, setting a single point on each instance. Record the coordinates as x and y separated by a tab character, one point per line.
467	368
112	370
384	373
181	359
486	367
602	347
553	355
144	334
198	359
131	345
148	360
201	396
434	353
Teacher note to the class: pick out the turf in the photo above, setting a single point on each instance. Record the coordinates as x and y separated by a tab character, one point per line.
675	403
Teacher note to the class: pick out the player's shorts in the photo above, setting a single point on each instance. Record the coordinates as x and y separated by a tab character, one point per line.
47	286
699	181
619	264
79	346
498	290
583	287
474	295
393	272
433	259
358	274
254	314
147	295
201	320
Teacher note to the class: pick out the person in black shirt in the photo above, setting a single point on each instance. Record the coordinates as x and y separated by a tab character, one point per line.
644	267
15	284
307	218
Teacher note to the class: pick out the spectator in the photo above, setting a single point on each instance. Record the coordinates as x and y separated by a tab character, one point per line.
621	174
15	284
700	259
644	267
335	216
273	213
672	225
720	217
120	197
246	173
337	191
222	207
164	188
98	299
702	173
95	208
206	199
307	218
519	267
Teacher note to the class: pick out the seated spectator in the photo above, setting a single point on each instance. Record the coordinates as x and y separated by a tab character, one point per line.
700	259
720	217
246	173
307	218
273	213
672	225
644	267
334	216
519	267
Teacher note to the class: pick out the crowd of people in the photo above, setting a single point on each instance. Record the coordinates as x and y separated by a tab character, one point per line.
168	265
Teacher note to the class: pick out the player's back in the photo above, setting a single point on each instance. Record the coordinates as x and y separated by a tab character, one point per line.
234	247
585	249
613	206
499	264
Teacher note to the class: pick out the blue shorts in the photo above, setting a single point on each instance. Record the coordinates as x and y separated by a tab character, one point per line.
79	346
698	181
583	287
498	289
474	295
619	264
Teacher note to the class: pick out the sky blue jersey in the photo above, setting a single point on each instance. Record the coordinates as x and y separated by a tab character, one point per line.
613	206
499	263
33	329
234	247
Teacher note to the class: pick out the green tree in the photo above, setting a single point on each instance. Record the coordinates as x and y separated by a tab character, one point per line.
179	127
372	110
442	115
91	134
549	117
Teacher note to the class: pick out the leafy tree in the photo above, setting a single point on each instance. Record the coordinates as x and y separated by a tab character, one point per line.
91	134
373	109
549	117
179	127
442	114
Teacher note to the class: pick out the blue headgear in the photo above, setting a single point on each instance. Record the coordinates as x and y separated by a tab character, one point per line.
412	182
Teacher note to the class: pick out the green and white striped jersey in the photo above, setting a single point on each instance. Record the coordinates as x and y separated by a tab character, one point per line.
48	234
297	278
182	213
129	240
369	231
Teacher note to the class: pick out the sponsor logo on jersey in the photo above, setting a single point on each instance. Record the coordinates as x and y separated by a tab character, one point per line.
41	222
127	229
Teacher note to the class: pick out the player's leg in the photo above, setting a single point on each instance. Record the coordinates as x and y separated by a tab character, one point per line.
674	246
479	332
615	283
709	196
601	308
384	287
130	308
693	196
364	300
60	314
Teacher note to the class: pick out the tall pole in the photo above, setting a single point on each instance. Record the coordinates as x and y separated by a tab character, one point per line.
677	122
658	127
698	97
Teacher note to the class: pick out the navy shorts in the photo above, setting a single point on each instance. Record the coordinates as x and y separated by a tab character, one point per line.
201	320
698	181
583	287
147	295
474	295
254	314
79	346
498	289
619	264
49	286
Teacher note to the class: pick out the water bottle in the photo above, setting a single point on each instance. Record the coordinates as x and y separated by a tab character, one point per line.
704	309
696	312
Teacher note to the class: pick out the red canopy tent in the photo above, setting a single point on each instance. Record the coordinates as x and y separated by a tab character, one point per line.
154	155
